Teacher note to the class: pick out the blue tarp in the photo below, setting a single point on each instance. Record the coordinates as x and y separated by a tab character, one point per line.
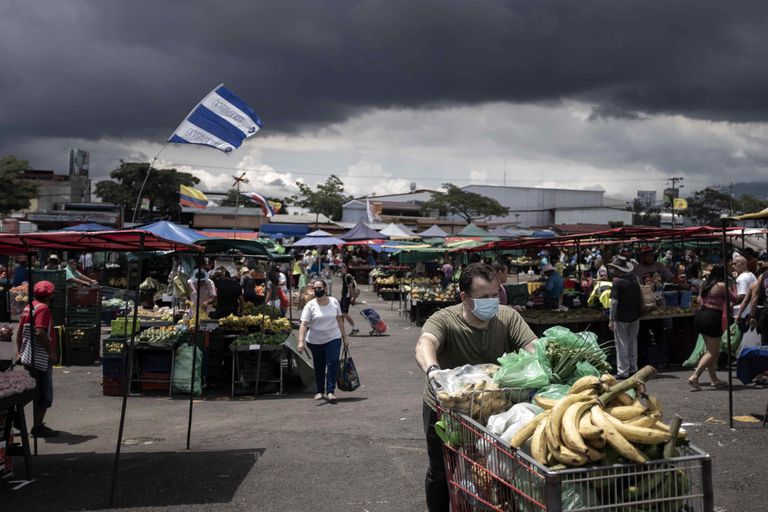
173	232
288	230
88	227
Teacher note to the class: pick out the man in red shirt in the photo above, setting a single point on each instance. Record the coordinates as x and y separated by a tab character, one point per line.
37	356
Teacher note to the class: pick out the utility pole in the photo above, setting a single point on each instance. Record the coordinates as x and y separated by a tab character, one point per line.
674	195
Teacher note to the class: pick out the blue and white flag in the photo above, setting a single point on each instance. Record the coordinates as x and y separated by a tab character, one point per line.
221	120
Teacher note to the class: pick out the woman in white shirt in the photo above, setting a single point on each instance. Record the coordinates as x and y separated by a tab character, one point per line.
322	328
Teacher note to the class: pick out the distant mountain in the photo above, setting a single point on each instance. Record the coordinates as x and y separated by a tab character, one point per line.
757	189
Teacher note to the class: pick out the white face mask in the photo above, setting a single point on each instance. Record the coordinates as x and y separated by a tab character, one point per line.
485	309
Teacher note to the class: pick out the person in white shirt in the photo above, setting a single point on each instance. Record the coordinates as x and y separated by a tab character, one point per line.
322	330
744	278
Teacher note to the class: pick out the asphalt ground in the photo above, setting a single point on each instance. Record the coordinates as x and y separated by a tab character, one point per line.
290	453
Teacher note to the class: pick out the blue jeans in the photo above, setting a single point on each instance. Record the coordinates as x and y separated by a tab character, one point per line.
326	361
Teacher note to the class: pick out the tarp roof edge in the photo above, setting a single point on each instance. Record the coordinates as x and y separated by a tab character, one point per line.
117	240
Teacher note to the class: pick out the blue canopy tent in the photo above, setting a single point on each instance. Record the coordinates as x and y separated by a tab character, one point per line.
284	230
361	232
174	232
91	226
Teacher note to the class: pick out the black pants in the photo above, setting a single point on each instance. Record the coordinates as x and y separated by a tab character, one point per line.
435	483
763	326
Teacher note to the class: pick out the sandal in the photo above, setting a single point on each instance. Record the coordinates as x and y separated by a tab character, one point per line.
719	384
694	383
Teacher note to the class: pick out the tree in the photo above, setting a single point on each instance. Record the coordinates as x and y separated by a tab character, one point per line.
468	205
750	204
708	205
19	191
642	216
162	188
328	199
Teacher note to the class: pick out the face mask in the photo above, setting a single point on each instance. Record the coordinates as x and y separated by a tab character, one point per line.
485	309
319	292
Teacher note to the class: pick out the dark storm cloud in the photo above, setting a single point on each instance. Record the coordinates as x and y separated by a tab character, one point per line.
135	68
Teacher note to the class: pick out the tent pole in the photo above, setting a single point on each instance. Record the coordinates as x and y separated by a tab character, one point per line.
30	299
194	350
578	266
127	374
728	327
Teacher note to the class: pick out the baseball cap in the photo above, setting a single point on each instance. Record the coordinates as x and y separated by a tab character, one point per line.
646	248
44	289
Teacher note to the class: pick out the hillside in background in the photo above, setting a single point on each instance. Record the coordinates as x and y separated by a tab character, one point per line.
756	189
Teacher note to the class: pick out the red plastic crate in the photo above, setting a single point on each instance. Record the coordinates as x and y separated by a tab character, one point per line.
112	386
155	386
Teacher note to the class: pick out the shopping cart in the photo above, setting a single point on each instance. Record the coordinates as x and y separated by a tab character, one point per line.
486	475
378	326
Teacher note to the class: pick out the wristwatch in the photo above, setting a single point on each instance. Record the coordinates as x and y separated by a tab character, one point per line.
432	368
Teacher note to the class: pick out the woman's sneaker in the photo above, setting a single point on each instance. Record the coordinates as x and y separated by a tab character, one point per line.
331	398
43	431
355	330
319	396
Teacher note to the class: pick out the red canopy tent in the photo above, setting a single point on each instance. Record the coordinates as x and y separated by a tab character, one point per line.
127	241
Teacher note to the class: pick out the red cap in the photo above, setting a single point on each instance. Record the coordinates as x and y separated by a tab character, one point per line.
44	289
646	248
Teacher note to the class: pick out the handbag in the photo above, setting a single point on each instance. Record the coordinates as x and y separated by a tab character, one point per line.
348	379
647	298
33	354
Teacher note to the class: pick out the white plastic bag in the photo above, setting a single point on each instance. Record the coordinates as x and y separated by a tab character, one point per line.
751	338
514	419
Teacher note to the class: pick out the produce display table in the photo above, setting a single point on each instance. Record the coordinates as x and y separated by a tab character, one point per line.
14	404
259	350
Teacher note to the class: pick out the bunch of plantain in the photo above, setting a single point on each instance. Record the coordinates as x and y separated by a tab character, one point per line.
598	413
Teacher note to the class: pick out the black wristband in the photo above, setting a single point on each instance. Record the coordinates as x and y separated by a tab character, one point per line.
430	368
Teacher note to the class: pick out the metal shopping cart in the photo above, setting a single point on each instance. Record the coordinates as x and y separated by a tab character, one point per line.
486	475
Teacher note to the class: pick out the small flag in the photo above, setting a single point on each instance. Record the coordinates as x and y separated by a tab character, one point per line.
221	120
679	203
262	201
192	197
276	206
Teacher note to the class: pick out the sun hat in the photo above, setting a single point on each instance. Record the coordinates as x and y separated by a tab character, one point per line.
44	289
53	257
621	264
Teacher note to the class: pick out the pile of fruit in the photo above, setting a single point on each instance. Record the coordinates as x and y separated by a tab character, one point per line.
598	420
19	293
471	390
434	293
118	282
260	321
81	335
261	338
164	314
15	382
159	336
113	346
116	303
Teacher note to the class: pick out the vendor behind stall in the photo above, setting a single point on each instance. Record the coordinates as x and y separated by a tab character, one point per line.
207	291
229	295
53	263
75	278
553	287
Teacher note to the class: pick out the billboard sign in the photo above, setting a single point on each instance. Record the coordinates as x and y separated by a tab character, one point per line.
646	198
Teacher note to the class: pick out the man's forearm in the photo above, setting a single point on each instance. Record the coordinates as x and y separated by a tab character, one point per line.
614	308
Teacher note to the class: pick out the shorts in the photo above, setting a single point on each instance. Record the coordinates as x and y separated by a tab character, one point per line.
709	322
44	386
345	303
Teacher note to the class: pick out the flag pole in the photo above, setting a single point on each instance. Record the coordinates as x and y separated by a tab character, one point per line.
144	183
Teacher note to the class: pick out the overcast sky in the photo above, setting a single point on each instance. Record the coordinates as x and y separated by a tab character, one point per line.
573	94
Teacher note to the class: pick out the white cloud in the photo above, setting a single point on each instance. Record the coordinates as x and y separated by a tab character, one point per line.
383	151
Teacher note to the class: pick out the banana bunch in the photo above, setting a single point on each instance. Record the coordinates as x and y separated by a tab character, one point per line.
575	430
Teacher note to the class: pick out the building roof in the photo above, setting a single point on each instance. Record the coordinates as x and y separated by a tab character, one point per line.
304	218
533	188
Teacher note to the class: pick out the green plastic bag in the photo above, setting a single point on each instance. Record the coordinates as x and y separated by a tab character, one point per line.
701	346
554	391
542	357
520	370
182	369
583	368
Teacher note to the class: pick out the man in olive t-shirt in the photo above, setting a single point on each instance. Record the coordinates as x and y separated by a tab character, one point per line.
473	332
